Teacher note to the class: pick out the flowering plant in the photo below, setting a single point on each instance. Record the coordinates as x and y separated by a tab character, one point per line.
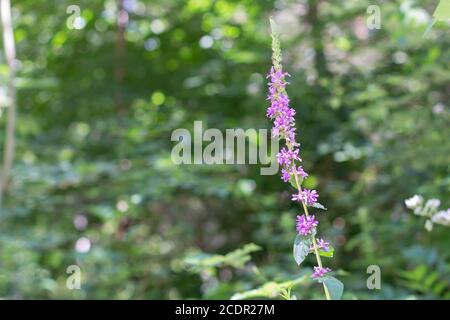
283	117
430	210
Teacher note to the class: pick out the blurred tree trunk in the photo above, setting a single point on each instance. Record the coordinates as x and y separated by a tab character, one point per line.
10	54
320	62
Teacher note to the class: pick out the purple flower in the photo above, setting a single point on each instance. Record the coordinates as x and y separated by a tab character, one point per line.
290	137
277	77
285	175
272	92
306	224
279	110
297	197
324	245
302	173
319	272
308	197
286	157
284	99
271	111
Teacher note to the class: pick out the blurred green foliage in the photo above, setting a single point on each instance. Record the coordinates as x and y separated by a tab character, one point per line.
93	148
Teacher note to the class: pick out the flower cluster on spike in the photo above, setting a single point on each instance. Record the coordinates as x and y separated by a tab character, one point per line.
322	245
306	225
283	117
320	272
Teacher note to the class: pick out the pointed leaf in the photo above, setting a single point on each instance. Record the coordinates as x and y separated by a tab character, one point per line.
301	248
319	206
335	287
442	12
327	254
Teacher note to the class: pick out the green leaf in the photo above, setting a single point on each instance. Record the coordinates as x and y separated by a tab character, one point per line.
237	259
327	254
301	248
334	286
319	206
272	289
442	12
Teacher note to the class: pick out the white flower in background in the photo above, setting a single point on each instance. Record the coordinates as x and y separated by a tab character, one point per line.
430	210
414	202
433	203
442	217
428	225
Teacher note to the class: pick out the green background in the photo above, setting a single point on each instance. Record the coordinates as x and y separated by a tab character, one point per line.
95	116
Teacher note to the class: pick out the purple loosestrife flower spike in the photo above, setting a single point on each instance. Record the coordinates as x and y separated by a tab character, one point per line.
283	117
